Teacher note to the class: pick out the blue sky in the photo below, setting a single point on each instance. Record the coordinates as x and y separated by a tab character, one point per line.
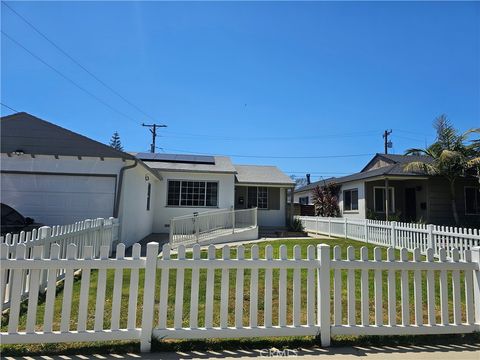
272	78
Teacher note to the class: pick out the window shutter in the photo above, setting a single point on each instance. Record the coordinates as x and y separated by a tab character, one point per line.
273	198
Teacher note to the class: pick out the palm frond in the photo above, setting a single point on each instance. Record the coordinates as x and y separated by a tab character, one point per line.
473	162
420	166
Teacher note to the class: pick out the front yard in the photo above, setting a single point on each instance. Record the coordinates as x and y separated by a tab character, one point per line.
290	243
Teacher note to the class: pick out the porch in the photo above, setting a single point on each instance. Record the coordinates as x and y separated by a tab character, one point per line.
407	199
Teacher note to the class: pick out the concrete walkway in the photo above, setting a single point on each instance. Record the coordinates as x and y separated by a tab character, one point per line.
423	352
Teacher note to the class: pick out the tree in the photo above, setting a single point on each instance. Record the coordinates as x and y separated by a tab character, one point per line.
451	156
325	200
115	141
299	181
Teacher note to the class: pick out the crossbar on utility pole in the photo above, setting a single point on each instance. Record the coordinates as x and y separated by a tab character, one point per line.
153	130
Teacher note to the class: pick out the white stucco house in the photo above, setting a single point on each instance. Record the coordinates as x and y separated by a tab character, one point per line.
58	177
195	183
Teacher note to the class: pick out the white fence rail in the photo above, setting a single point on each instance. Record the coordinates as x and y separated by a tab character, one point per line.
201	227
244	297
95	233
396	234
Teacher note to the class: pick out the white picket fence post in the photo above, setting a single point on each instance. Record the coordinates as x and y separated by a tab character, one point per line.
44	235
149	297
196	227
329	227
323	294
430	243
476	283
393	235
366	230
345	226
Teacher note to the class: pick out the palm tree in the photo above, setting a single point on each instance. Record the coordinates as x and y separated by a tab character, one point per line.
450	156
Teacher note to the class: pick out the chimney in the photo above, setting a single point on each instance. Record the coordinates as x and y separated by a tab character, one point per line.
308	179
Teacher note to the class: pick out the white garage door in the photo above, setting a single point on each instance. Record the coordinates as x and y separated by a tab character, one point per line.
59	199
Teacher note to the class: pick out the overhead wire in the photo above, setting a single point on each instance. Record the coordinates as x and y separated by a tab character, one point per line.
69	79
8	107
270	156
76	62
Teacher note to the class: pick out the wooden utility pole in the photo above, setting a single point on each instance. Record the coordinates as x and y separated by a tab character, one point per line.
387	143
153	130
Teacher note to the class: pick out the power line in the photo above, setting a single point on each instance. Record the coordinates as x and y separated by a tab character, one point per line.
77	62
8	107
263	138
68	79
272	157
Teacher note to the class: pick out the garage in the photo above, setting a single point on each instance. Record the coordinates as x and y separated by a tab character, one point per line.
55	199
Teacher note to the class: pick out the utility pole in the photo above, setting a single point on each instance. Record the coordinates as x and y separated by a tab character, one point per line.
388	144
153	130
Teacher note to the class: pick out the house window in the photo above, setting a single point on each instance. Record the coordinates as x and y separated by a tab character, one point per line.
303	200
149	191
192	193
379	199
472	201
350	200
257	197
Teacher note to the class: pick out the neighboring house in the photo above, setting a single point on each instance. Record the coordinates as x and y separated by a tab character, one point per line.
194	183
304	194
412	196
59	177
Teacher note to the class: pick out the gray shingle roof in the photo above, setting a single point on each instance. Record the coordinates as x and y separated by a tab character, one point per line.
398	159
258	174
395	169
22	131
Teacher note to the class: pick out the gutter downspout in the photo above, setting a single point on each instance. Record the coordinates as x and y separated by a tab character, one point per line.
119	190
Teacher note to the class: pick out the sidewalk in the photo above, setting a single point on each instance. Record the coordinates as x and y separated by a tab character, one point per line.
414	352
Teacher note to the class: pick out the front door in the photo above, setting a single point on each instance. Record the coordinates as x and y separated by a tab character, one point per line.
410	204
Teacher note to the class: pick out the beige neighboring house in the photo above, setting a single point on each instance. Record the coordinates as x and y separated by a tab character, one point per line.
412	196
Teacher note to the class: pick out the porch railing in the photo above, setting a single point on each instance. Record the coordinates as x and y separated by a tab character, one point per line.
205	226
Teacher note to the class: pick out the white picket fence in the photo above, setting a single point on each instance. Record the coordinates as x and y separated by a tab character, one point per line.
396	234
244	297
95	233
202	227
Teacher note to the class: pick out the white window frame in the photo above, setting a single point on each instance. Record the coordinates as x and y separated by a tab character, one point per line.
476	199
303	197
393	199
192	206
343	200
258	187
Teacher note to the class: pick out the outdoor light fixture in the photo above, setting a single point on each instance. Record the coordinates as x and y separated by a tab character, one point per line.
19	152
147	178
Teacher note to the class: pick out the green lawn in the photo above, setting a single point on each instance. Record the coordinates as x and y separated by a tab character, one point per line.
171	294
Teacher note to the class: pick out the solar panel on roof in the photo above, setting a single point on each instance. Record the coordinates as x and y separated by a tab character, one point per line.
178	158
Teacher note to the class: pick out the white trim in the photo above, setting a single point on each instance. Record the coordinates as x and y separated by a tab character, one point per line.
192	206
393	200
